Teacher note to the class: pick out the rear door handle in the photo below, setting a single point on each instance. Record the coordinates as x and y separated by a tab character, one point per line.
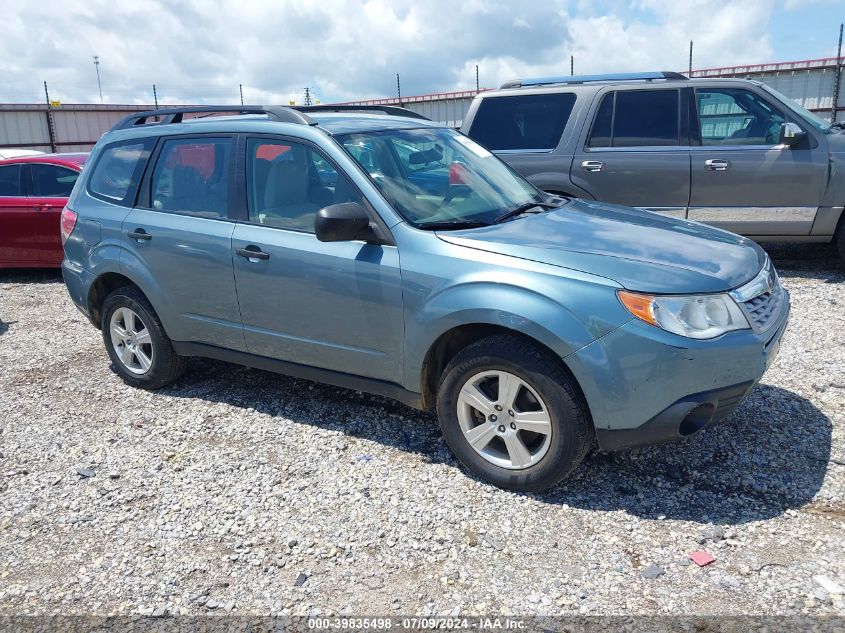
592	165
717	164
252	253
140	234
43	207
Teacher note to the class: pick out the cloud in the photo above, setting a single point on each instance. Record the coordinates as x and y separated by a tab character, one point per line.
200	51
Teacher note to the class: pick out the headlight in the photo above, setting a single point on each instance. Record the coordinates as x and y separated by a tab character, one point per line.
693	316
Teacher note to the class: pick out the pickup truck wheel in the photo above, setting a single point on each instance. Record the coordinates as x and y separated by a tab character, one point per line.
136	343
840	239
511	414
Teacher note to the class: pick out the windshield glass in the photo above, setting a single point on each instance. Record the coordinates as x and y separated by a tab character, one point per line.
437	176
810	117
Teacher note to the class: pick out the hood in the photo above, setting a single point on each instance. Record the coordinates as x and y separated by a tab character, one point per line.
640	250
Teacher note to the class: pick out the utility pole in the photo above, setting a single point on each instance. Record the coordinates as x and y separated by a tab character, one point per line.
241	86
837	79
477	85
572	65
690	57
307	96
155	96
50	129
97	67
398	89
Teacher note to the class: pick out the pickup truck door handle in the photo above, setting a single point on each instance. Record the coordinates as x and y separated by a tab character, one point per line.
717	164
140	235
252	253
592	165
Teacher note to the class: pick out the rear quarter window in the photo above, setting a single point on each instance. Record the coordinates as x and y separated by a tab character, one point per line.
522	121
118	169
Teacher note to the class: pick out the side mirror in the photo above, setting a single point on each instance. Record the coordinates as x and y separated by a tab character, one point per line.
791	134
342	222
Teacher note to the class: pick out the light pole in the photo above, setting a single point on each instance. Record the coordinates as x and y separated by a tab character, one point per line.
97	67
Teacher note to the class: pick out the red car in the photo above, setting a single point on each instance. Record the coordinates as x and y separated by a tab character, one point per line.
33	191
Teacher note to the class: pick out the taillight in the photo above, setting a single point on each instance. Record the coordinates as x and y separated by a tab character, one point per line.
67	223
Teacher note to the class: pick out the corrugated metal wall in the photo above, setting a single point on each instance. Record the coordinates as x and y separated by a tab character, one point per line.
76	127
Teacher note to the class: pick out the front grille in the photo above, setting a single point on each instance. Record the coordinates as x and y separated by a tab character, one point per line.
764	309
761	298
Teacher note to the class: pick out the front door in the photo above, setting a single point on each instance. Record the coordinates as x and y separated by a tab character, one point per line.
17	220
636	151
332	305
743	179
179	241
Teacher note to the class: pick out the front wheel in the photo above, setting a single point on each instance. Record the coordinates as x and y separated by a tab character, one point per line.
136	342
512	415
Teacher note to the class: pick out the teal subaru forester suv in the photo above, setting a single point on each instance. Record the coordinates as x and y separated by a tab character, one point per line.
376	250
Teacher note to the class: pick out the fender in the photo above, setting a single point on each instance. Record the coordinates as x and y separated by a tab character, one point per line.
136	271
491	303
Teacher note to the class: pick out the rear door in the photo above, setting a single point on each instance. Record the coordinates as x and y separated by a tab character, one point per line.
50	187
332	305
178	239
743	179
636	151
525	130
16	218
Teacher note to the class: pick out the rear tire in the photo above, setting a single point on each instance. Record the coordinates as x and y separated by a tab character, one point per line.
512	415
135	340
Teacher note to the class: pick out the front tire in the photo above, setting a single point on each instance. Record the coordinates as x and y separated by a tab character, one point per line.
135	340
839	239
512	415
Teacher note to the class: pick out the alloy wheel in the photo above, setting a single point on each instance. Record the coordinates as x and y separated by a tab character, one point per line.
131	340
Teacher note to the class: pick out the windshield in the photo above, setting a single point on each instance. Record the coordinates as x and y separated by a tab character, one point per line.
435	176
813	119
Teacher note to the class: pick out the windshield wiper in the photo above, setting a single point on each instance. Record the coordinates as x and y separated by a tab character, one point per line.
523	208
451	225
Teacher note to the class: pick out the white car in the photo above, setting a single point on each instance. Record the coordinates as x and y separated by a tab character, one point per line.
17	153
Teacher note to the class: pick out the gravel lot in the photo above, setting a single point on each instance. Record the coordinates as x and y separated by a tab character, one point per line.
245	491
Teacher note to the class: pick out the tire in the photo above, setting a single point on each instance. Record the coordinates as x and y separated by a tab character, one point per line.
153	363
546	400
839	239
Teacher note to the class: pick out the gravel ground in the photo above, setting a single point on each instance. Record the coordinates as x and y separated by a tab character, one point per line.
248	492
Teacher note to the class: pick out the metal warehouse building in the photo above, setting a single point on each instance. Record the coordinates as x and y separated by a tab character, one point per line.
812	83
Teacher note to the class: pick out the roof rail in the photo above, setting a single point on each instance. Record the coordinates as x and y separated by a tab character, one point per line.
174	115
386	109
582	79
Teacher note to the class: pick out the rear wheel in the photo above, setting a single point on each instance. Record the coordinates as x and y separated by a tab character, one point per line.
136	342
512	415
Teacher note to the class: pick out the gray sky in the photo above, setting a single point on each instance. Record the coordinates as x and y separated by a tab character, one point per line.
199	51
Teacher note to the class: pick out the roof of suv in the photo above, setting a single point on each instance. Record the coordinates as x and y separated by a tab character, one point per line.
331	119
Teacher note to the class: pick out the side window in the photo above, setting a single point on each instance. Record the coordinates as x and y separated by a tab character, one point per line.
637	118
288	182
191	176
52	180
118	169
10	180
523	121
727	116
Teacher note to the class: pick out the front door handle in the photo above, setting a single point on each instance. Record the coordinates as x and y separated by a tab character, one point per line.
140	234
717	164
592	165
252	253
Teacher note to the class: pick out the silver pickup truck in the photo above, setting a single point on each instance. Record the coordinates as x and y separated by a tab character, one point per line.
728	152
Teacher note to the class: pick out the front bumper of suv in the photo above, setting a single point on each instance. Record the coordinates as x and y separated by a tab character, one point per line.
644	385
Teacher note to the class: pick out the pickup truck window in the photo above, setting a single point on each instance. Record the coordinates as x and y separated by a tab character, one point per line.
636	118
523	121
728	116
